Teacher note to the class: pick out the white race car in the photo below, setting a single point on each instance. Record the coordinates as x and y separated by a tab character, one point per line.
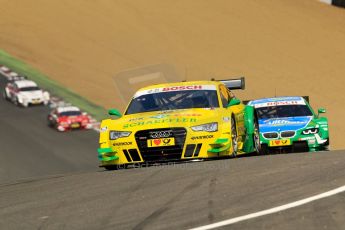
25	93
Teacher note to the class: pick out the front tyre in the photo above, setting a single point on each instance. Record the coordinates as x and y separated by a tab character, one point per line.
256	138
50	123
25	104
234	138
16	101
115	167
110	167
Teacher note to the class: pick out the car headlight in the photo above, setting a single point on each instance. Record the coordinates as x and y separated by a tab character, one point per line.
113	135
310	131
209	127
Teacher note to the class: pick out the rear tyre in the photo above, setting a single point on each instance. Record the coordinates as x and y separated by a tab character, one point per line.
234	138
4	94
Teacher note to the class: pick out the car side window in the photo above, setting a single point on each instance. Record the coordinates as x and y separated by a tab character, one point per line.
224	96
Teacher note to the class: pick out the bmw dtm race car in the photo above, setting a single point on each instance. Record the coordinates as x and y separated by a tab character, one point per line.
288	124
178	121
25	93
10	75
67	118
4	70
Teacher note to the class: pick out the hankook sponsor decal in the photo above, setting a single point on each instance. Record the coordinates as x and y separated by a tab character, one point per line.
202	137
122	143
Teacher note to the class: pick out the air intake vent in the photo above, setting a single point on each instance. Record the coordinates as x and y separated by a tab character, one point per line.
163	153
287	133
270	135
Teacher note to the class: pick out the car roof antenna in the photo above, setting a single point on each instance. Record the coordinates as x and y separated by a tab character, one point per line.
185	74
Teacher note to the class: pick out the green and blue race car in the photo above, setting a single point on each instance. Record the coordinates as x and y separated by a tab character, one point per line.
289	124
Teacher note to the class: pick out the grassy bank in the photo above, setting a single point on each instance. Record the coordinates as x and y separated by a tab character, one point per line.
53	87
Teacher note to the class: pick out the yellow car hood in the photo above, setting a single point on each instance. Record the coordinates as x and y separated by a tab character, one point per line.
164	119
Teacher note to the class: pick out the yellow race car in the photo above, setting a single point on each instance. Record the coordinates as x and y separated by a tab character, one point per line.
179	121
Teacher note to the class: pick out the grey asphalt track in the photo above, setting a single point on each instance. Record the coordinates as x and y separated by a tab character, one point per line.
29	148
184	195
50	180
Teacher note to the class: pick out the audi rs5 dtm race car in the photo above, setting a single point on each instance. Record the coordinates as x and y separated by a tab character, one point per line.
67	118
25	93
178	121
289	124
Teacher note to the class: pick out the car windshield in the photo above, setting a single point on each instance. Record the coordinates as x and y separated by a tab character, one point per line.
31	88
70	113
283	111
185	99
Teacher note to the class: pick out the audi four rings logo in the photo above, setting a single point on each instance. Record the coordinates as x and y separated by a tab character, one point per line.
160	134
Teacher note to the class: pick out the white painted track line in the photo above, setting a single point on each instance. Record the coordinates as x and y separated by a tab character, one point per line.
272	210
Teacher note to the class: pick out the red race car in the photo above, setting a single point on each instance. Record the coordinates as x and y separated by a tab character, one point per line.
68	118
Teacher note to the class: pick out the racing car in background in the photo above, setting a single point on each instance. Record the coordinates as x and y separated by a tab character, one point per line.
10	75
5	70
66	118
25	92
289	124
178	121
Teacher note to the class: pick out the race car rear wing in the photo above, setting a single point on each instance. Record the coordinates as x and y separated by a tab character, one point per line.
16	78
233	84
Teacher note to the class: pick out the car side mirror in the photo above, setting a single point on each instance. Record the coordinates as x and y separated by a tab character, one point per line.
114	112
234	101
321	110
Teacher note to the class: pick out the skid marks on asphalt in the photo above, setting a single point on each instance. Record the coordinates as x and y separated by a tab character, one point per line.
211	189
135	188
165	207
